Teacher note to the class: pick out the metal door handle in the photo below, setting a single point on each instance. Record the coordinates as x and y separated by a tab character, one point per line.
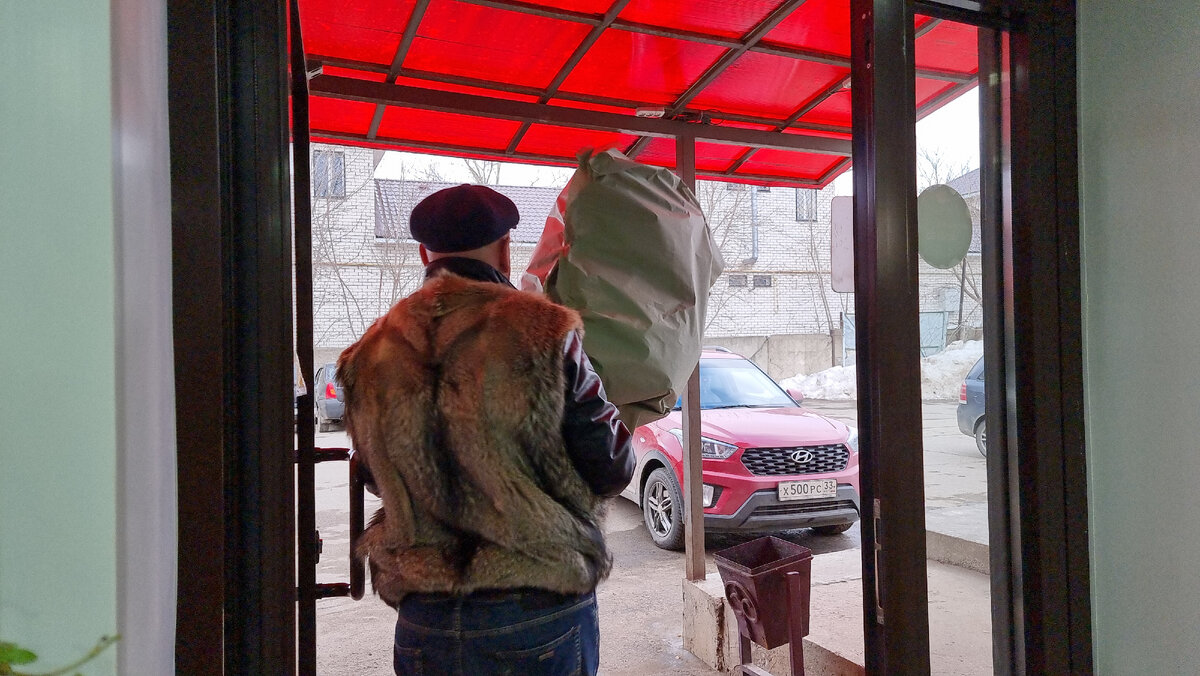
357	509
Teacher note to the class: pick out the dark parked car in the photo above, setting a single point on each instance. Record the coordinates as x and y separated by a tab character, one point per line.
327	393
970	407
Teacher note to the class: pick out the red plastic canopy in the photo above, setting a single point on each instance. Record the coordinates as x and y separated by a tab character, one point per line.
762	85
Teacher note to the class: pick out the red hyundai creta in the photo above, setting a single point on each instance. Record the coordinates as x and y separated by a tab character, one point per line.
769	464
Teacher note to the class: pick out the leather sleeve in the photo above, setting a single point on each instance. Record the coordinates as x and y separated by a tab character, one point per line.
598	443
364	473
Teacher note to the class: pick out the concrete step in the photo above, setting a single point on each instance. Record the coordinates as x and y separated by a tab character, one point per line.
959	621
958	536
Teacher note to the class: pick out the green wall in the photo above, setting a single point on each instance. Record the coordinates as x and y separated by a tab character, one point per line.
58	504
1140	182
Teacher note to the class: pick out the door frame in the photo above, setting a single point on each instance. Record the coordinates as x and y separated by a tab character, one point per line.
232	258
1040	327
1033	334
233	341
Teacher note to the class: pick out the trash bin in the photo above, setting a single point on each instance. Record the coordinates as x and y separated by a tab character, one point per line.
756	584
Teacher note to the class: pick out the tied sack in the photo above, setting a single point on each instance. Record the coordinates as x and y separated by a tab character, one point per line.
628	247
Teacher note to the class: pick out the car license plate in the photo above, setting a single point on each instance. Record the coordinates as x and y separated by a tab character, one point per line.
807	490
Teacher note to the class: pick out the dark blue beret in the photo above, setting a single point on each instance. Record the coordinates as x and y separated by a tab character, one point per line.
462	218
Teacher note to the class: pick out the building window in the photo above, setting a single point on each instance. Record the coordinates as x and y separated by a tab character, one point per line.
764	188
329	174
737	281
735	187
761	281
806	204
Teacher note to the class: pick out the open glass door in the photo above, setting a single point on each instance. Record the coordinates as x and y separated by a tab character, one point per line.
924	544
988	483
952	278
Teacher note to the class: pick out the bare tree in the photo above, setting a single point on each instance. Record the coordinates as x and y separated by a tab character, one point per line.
933	167
428	173
483	172
726	207
359	273
737	214
968	288
334	249
815	261
829	306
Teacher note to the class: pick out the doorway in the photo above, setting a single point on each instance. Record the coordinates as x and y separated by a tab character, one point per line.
233	270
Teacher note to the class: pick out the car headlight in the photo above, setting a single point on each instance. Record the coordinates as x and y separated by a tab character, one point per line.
852	439
709	448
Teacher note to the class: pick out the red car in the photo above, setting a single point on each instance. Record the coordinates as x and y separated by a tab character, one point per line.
769	464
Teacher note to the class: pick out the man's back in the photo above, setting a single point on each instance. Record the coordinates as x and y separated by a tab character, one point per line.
455	399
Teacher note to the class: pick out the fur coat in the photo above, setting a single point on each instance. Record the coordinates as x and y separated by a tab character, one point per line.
455	400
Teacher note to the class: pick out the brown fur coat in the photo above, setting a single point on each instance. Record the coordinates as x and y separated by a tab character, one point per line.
455	400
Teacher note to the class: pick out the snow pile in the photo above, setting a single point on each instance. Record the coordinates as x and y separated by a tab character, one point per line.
832	383
941	375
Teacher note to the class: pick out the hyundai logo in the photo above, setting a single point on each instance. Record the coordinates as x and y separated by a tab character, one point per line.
802	456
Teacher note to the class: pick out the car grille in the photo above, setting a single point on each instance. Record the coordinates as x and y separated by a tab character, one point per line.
804	507
778	461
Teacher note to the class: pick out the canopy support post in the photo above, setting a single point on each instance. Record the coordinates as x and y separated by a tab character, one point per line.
693	515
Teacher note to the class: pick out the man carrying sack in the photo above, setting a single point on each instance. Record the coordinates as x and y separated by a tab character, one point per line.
492	445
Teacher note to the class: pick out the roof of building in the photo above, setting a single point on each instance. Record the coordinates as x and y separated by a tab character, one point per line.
394	202
967	184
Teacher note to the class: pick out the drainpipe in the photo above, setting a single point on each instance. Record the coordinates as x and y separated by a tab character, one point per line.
753	227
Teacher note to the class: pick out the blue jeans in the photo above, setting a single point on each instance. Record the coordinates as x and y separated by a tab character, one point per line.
527	632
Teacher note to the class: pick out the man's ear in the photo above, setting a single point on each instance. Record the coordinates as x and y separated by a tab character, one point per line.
506	256
424	254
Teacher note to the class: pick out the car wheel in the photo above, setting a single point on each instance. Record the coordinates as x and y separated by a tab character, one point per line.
981	437
832	530
662	509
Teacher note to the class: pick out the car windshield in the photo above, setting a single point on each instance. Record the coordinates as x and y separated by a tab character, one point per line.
737	383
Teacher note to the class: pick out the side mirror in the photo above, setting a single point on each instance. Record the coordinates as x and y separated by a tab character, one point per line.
796	395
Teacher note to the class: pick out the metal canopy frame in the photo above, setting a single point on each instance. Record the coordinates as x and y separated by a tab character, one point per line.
552	89
379	93
722	64
319	60
786	132
747	43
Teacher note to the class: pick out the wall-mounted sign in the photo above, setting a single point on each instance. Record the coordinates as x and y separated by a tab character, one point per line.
943	226
841	243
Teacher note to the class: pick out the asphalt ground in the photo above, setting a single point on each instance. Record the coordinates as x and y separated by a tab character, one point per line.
640	611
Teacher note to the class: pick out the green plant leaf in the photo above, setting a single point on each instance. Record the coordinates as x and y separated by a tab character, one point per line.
11	653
